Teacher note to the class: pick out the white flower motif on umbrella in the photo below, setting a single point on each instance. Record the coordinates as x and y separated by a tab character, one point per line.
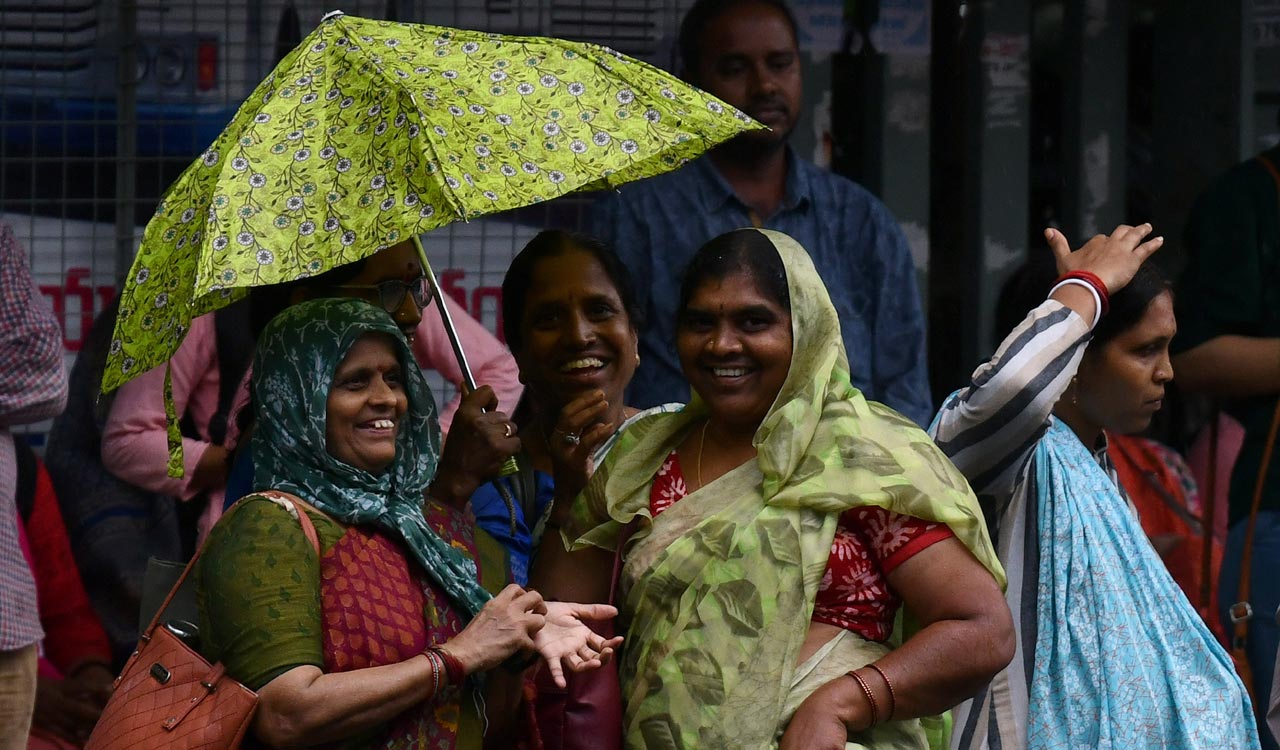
337	96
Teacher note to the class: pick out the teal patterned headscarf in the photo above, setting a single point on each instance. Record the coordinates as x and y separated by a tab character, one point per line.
293	369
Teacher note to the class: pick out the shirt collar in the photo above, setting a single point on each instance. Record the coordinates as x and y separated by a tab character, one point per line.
715	191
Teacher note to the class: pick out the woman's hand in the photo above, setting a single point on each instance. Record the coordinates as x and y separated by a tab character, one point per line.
567	640
579	431
824	719
1113	259
70	707
479	441
506	625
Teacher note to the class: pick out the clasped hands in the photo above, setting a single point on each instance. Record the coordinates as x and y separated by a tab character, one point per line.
518	621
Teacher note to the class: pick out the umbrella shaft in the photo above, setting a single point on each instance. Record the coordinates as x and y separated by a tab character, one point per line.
510	466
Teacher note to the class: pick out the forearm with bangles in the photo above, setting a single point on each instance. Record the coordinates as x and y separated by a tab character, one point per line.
878	698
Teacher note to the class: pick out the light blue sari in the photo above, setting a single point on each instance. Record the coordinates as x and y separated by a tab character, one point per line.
1122	659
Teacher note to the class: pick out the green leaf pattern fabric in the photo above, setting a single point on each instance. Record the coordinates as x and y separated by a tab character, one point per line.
718	590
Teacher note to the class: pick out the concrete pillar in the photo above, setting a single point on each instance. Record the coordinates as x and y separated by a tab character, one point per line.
981	178
1094	128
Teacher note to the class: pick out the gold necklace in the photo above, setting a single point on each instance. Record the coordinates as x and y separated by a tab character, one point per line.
702	442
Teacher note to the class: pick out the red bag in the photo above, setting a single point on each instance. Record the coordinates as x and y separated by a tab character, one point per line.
586	714
168	697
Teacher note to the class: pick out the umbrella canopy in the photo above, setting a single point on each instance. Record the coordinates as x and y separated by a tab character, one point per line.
371	132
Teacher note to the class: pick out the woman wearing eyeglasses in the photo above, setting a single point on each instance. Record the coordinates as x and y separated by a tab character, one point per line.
134	445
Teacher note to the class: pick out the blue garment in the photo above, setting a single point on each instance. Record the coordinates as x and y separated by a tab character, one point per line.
510	527
1264	595
492	516
1122	660
239	480
656	226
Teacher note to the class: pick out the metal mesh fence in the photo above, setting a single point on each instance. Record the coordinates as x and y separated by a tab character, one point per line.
104	102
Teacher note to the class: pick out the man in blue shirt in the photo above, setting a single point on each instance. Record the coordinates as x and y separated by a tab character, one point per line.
745	52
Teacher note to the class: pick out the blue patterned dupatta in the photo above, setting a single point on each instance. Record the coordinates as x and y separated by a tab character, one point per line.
1122	659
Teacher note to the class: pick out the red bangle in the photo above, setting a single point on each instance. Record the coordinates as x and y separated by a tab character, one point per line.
871	698
1092	280
893	698
453	669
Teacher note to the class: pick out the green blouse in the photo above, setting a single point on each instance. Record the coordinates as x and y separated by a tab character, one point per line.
259	594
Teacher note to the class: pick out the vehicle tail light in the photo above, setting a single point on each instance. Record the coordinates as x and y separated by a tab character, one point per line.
207	65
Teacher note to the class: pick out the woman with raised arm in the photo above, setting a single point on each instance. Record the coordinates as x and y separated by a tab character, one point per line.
1110	652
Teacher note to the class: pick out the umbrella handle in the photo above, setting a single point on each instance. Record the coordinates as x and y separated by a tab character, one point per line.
509	466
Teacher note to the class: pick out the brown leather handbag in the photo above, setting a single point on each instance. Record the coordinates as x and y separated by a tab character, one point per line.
170	697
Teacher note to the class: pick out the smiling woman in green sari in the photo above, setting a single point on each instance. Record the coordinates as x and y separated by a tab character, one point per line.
773	528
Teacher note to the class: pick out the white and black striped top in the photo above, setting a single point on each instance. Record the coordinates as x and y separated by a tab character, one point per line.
990	430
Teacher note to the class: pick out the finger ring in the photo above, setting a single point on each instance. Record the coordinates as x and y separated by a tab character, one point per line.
570	437
506	429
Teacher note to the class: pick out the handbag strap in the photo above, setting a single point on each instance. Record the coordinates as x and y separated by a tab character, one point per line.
308	530
1241	612
1209	513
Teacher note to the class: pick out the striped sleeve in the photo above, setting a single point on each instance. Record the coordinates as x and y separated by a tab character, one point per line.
989	427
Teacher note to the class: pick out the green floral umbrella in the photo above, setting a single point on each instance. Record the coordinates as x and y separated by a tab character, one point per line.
370	132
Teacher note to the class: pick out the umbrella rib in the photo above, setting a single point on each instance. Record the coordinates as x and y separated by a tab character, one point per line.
425	130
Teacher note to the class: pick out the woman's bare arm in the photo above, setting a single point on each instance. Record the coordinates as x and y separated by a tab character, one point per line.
584	575
966	638
304	706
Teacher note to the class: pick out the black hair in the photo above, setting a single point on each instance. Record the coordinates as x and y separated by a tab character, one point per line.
701	15
1129	304
742	250
551	243
1027	288
267	302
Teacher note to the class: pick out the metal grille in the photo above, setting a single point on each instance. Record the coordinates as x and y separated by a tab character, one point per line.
104	102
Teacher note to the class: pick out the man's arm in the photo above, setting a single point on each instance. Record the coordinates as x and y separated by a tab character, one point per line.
33	381
1222	301
1231	367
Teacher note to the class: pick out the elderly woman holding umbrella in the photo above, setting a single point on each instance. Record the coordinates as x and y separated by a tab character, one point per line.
390	635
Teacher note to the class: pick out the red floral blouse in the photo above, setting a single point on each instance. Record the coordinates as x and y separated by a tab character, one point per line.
870	543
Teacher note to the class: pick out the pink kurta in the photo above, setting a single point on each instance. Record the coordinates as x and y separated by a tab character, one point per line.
134	440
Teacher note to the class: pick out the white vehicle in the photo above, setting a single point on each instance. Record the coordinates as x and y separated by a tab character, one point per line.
194	61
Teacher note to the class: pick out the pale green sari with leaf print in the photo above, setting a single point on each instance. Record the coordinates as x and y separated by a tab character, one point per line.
718	591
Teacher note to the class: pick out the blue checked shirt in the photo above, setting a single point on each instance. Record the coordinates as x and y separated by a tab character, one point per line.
657	225
33	387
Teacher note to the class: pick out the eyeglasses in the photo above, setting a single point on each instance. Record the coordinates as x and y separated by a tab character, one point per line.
392	291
